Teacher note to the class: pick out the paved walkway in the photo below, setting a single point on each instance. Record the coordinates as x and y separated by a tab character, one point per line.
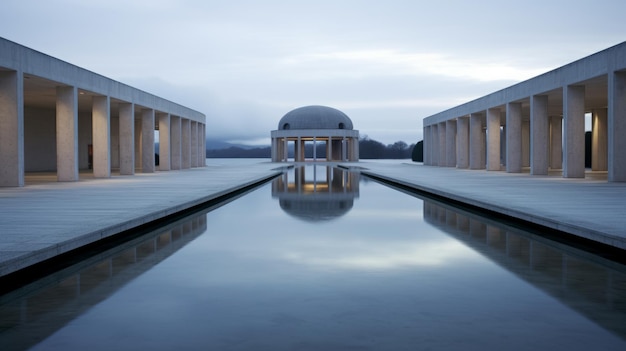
47	218
591	208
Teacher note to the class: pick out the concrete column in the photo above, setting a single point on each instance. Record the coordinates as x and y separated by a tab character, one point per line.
574	129
493	139
147	141
138	151
194	144
556	142
286	149
164	141
441	129
617	127
356	149
476	146
202	145
297	151
185	147
175	143
451	143
329	149
11	128
127	138
314	149
67	134
525	143
539	137
514	137
435	143
599	140
462	142
425	146
101	135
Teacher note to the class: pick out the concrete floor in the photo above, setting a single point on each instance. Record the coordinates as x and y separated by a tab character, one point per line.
47	218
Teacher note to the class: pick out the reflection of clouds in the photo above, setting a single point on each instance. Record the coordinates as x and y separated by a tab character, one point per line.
397	255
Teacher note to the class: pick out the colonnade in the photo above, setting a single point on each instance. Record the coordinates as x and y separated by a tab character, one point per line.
47	107
338	148
539	124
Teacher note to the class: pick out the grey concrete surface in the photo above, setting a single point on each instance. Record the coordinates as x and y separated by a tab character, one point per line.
589	207
47	218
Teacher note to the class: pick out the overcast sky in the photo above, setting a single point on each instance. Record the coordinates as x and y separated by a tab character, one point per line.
386	64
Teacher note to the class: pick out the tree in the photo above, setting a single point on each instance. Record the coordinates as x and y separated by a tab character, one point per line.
418	152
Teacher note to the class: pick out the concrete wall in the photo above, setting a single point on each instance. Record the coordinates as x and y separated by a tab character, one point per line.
40	149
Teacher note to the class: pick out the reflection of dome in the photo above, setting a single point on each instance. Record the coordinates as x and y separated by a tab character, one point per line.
316	209
315	117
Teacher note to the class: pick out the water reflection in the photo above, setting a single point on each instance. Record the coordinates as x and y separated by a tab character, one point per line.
589	284
32	313
316	193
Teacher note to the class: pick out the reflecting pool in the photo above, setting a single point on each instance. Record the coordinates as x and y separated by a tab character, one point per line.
323	259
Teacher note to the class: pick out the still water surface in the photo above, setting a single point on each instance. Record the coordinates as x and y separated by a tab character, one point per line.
326	260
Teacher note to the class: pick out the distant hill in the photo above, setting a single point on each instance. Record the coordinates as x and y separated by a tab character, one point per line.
219	145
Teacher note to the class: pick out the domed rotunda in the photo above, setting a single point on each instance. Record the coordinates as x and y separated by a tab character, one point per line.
315	125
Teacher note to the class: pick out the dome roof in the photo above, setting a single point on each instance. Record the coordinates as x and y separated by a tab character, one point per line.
315	117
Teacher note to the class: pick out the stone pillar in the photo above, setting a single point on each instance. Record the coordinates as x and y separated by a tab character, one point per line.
147	141
451	143
441	129
11	128
202	145
101	135
185	146
164	141
435	143
67	134
493	139
297	151
617	127
425	145
556	142
525	143
574	128
193	161
462	142
175	143
286	149
127	138
476	149
138	151
539	137
514	137
599	140
329	149
314	149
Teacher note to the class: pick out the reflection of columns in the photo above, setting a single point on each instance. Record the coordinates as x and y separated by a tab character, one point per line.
514	137
164	141
127	138
556	142
442	144
574	128
462	143
599	132
12	130
101	135
67	134
451	143
147	141
493	139
194	144
176	142
617	127
185	132
539	138
476	149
